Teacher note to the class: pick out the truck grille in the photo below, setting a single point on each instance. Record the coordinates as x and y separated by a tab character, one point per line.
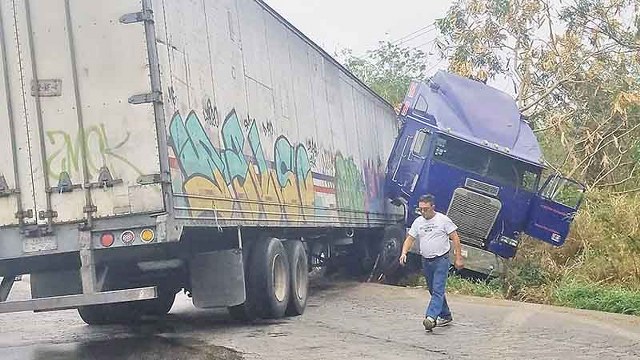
474	214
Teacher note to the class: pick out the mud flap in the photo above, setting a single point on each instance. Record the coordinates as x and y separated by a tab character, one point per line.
217	279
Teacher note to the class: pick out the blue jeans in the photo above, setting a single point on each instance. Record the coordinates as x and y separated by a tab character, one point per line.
436	273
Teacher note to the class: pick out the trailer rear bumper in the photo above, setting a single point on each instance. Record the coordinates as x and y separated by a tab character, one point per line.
75	301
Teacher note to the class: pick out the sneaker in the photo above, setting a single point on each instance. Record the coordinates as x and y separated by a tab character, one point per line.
429	324
440	322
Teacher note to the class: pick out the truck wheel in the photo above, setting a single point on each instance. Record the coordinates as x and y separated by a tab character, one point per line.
269	278
299	270
159	306
109	314
390	251
93	315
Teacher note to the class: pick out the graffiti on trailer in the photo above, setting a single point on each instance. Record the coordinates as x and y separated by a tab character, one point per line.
66	154
237	186
267	129
210	112
313	151
374	178
235	180
350	187
327	162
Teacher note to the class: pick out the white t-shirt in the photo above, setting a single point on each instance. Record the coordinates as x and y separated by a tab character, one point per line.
433	234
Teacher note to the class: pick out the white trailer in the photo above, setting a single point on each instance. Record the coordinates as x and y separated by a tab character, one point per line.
153	146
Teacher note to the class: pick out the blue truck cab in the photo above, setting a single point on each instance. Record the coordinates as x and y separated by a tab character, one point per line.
467	144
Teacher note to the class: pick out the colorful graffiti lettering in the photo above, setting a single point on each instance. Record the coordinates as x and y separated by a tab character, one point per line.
67	154
350	187
233	185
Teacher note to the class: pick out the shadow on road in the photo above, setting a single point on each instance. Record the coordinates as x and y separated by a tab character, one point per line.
149	347
186	333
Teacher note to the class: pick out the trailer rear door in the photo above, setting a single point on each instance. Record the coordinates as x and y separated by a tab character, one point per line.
77	146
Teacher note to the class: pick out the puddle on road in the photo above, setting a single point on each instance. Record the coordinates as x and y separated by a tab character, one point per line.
145	348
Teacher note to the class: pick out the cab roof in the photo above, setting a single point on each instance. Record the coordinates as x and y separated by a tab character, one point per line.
478	113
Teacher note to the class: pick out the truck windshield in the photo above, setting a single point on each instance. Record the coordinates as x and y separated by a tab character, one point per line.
501	168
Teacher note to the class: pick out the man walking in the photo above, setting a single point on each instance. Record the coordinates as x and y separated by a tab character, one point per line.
433	231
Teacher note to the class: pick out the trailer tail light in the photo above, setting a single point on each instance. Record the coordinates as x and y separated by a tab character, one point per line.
107	239
147	235
128	237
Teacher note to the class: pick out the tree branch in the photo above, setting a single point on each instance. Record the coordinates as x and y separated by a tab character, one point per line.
618	183
544	95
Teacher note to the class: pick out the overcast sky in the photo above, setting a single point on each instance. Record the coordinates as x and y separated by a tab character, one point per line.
360	24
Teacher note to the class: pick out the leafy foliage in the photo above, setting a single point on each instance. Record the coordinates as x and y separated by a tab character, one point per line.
574	68
388	70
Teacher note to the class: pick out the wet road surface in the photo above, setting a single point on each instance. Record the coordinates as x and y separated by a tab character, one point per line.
343	321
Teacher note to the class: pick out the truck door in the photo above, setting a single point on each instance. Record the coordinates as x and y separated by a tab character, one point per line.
553	210
415	149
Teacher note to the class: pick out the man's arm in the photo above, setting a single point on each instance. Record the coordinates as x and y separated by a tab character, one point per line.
408	244
457	250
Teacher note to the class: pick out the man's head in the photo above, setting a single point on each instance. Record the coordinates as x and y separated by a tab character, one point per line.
427	206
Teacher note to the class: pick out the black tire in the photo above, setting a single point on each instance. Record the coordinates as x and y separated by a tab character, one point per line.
110	314
390	251
93	315
267	294
269	278
299	271
159	306
242	312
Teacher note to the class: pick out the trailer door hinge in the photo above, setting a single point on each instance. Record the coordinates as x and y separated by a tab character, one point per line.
64	185
105	180
154	97
154	179
21	215
132	18
90	209
47	215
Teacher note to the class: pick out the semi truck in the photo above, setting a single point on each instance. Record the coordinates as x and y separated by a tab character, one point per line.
467	144
151	147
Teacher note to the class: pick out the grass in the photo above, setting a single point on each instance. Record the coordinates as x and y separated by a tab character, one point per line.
574	294
461	286
595	297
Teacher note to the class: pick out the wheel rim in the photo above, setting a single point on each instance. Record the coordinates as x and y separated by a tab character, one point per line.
301	277
279	274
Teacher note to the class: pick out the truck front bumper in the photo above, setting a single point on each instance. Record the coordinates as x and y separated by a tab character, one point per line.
480	261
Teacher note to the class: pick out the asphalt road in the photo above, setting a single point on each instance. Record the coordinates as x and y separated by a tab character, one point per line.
343	321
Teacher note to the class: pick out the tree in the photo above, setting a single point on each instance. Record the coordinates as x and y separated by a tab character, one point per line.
388	70
574	67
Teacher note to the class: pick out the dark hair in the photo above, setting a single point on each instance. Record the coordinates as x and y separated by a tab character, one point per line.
427	199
